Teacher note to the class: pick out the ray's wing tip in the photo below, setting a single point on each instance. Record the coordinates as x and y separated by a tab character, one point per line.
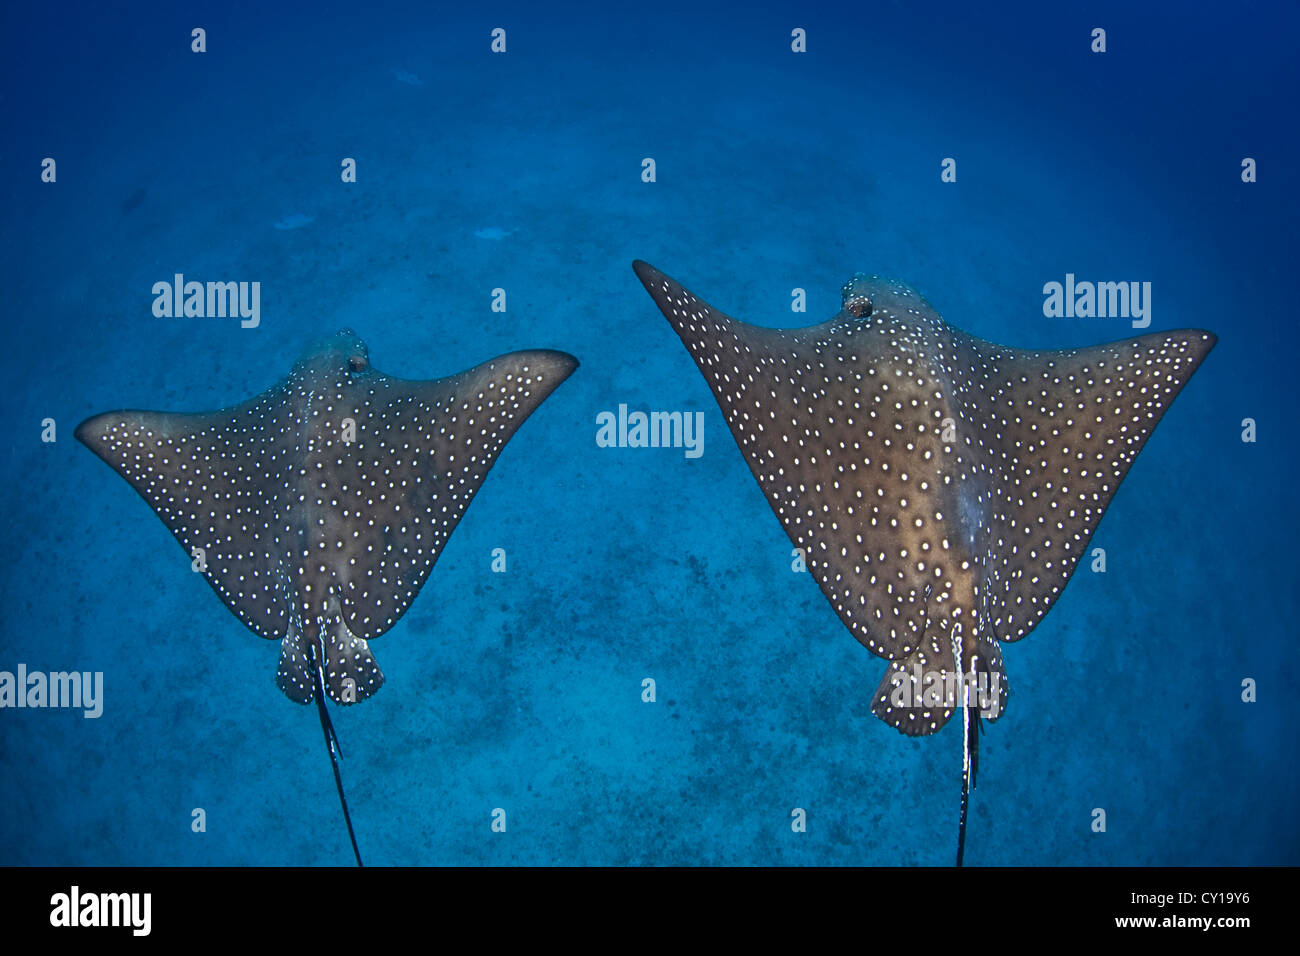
122	416
550	365
644	270
652	278
1204	336
559	364
88	432
1201	341
1197	342
82	432
668	294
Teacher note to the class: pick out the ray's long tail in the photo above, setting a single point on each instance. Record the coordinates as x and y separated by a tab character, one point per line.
331	738
969	767
971	729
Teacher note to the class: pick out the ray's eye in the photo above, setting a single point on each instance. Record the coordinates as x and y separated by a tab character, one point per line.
858	306
358	363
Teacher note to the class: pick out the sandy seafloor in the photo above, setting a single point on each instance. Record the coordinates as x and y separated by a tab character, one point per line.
774	171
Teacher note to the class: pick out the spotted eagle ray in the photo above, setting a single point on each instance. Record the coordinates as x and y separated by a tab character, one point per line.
942	488
317	509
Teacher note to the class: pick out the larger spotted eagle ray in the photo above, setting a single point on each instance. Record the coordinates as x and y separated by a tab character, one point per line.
941	487
317	509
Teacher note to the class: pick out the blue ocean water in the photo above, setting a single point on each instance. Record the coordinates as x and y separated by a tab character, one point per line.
522	170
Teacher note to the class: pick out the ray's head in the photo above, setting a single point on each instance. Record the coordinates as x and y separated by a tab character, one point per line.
866	295
342	353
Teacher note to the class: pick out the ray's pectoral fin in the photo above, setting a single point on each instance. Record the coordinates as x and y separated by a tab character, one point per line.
1074	423
473	415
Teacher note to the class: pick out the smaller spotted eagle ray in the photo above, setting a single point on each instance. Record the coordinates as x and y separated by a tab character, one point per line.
317	509
941	487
